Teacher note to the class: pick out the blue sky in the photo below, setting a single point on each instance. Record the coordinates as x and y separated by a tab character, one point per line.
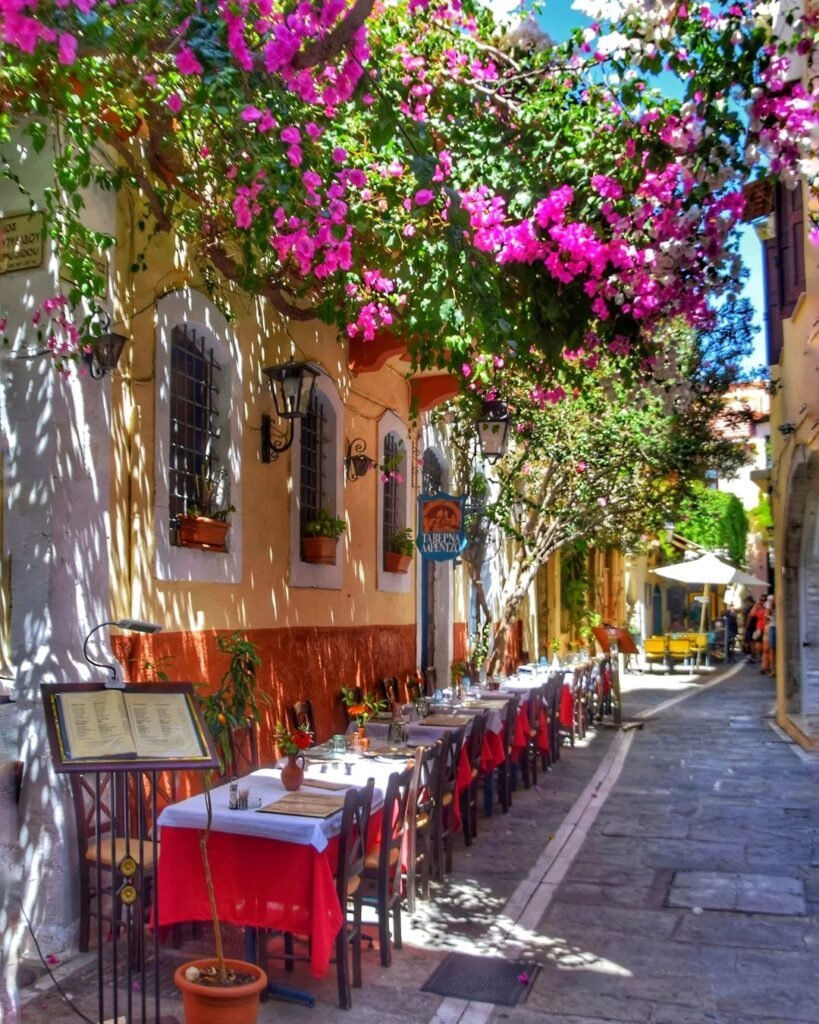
558	19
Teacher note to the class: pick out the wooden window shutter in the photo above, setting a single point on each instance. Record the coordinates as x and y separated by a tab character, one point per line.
790	238
773	307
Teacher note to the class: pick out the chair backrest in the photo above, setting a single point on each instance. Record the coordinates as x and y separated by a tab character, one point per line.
474	742
301	713
352	840
394	819
389	691
124	806
534	705
244	749
414	690
429	769
452	741
509	729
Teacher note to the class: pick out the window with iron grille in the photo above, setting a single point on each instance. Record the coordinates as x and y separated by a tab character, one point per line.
393	491
195	474
432	475
315	445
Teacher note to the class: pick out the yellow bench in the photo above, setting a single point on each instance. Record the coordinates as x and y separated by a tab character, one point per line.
679	649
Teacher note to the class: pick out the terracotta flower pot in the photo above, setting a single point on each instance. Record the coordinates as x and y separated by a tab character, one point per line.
202	532
319	550
293	772
211	1004
393	562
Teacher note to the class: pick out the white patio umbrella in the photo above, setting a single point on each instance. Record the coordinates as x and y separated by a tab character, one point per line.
709	571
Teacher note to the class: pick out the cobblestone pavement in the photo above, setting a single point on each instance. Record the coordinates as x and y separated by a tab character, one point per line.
666	873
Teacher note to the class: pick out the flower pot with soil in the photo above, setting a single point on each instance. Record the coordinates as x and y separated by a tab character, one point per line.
320	538
401	548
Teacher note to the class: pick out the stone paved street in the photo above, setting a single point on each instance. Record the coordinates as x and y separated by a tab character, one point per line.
685	892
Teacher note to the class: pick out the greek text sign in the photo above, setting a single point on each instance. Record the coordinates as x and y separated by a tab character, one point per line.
21	242
440	526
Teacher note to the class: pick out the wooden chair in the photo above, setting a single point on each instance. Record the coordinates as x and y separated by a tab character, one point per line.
504	770
469	797
443	820
352	844
113	821
352	850
381	878
414	690
301	713
424	789
531	752
244	750
390	691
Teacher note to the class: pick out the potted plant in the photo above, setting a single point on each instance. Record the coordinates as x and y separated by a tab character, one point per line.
216	989
293	743
204	523
401	548
320	537
361	707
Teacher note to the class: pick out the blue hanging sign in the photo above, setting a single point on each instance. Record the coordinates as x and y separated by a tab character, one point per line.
441	536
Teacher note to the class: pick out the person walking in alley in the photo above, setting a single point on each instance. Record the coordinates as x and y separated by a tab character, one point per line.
767	665
729	621
756	620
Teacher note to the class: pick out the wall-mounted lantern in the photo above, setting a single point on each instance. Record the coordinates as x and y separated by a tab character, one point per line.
292	385
493	430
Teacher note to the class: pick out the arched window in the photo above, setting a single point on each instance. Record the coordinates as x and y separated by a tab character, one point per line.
197	474
432	473
394	512
317	469
198	435
315	452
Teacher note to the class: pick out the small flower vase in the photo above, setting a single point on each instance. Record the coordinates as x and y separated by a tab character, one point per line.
293	772
363	741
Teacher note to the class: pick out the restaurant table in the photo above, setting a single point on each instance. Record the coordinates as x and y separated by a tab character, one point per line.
271	871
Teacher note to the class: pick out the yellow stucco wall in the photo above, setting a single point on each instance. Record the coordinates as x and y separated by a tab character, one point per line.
263	598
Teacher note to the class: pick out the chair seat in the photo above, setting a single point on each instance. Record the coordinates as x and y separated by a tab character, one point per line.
123	847
371	860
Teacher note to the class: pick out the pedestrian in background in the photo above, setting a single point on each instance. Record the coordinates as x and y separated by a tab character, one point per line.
768	647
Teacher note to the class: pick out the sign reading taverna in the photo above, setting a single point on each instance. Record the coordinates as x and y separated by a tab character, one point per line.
21	242
441	534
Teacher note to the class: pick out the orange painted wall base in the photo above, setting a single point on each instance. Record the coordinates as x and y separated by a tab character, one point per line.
296	664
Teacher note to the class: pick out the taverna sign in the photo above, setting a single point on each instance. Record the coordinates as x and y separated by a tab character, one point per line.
440	526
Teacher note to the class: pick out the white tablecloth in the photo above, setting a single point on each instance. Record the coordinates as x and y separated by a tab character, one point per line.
266	787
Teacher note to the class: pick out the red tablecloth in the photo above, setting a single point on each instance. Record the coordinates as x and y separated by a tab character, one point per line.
259	882
566	707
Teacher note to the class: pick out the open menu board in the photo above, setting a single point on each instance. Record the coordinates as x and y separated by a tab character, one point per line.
155	725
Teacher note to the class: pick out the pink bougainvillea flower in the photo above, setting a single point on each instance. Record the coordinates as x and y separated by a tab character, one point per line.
68	48
290	134
174	102
466	369
339	154
581	467
187	62
424	196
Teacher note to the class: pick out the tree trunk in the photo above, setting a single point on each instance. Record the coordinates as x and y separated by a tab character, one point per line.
522	572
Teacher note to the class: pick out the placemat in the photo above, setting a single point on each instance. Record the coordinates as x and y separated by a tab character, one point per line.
326	784
456	721
305	805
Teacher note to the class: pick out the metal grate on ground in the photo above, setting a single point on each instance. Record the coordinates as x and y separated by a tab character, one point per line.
482	979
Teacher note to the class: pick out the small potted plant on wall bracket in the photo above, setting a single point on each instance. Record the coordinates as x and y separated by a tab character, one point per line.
204	524
320	538
401	548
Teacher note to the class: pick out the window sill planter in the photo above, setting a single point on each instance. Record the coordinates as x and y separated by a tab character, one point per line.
202	532
319	550
393	562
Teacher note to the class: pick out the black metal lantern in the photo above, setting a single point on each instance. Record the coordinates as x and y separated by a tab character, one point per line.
104	353
292	385
493	430
357	462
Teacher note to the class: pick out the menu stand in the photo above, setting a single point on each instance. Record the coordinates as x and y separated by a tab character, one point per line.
130	735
